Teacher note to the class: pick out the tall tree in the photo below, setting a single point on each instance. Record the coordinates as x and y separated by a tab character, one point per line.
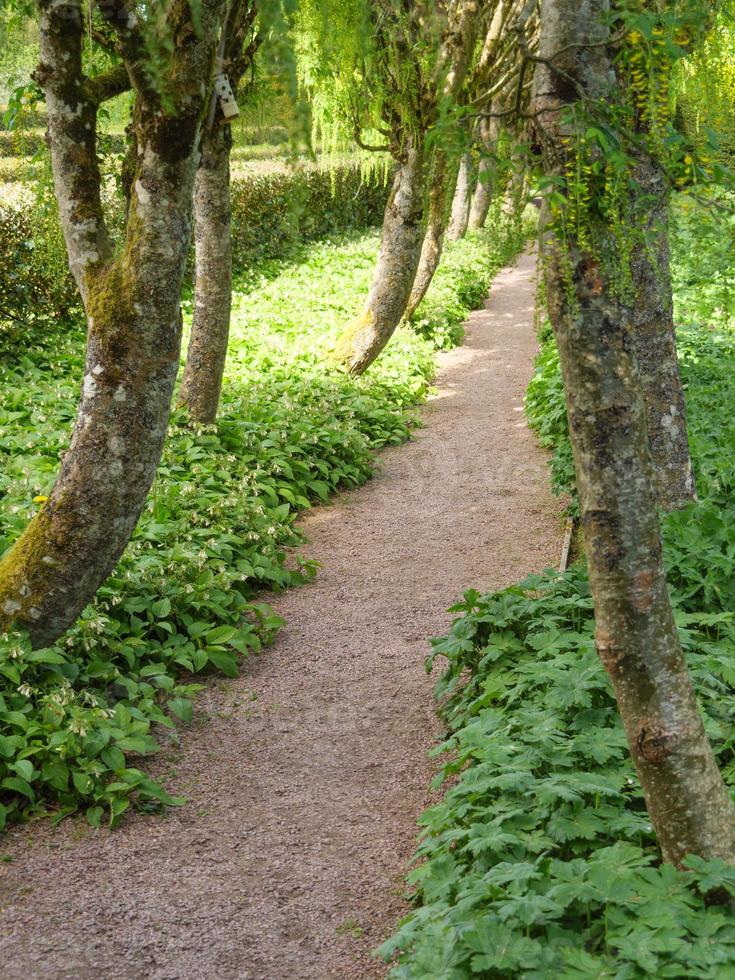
498	51
131	297
210	329
391	87
581	121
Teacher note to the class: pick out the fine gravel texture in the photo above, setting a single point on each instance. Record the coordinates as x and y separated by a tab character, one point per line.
305	776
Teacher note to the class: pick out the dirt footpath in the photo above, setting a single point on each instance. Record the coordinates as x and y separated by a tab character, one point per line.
305	776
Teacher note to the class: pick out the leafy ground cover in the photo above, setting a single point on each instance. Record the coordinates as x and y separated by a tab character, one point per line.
540	860
184	599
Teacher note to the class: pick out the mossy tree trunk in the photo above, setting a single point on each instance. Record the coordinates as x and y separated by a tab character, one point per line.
636	637
132	304
655	340
400	248
206	356
411	115
462	198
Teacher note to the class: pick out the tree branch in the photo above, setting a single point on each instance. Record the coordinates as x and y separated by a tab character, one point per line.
72	136
120	17
107	85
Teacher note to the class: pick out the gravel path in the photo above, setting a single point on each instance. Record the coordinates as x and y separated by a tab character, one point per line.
305	776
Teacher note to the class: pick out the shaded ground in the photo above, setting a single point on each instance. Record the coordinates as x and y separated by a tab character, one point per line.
305	776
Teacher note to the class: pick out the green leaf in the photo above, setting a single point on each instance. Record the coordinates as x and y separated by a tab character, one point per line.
224	661
140	744
182	708
221	634
113	758
82	781
24	768
18	785
45	657
94	815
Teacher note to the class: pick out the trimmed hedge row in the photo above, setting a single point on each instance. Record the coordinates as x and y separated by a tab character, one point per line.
26	142
271	214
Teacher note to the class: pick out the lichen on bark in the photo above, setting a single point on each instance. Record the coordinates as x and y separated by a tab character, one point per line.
594	323
655	338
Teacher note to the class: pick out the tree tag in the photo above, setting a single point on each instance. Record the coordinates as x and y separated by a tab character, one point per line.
227	100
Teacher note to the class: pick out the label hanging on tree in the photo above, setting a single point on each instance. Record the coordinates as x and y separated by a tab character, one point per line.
227	100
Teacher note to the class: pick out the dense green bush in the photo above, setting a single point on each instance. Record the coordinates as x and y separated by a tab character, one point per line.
254	135
25	142
274	212
547	416
35	282
540	860
183	600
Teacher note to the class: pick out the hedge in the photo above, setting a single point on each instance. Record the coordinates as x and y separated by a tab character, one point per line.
271	214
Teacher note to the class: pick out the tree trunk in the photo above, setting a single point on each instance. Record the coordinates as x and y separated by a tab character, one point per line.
461	204
402	236
201	384
484	188
432	247
134	320
400	248
515	192
210	330
636	637
655	341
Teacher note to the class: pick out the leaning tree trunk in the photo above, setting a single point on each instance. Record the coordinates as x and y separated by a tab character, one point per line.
636	637
485	185
655	341
210	329
436	223
400	248
461	204
133	314
402	235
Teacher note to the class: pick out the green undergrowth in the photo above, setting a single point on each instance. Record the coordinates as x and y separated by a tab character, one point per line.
540	860
184	600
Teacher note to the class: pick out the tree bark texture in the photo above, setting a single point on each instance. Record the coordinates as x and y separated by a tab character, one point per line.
514	199
210	329
655	341
461	203
133	313
400	248
636	637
